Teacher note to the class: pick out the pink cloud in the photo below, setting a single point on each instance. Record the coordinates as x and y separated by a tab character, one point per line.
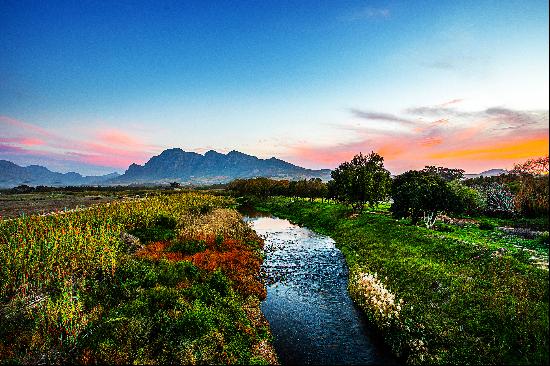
473	141
29	141
110	147
117	137
451	102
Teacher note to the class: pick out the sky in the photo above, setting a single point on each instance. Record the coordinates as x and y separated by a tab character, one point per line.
92	87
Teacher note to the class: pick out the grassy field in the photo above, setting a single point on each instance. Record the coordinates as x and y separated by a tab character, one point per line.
462	294
163	279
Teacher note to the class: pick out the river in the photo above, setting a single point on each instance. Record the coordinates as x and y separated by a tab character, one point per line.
312	317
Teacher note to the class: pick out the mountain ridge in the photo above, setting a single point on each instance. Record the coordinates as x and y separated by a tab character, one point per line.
213	167
13	175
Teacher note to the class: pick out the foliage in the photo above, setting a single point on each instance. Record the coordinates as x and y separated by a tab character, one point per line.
265	187
497	199
419	194
72	292
469	296
362	180
537	166
175	184
448	174
463	199
532	197
523	190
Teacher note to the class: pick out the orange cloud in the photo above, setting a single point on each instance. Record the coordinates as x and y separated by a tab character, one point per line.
474	141
514	149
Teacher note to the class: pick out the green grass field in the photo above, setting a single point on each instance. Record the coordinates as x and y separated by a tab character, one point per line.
470	295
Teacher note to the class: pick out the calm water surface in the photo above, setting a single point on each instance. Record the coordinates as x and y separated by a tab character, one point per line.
312	317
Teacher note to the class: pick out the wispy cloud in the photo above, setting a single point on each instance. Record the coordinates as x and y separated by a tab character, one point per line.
451	102
439	65
25	141
377	116
495	137
366	13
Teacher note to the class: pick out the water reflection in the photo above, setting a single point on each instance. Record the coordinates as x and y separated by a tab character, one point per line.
311	314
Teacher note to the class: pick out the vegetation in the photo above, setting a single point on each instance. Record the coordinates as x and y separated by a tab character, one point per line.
459	294
265	187
523	190
182	288
468	288
419	194
164	276
363	180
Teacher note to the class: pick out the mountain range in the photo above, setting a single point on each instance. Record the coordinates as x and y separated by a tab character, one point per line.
212	167
487	173
12	175
175	165
169	166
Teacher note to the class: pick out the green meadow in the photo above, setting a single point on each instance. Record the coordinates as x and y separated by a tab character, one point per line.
469	294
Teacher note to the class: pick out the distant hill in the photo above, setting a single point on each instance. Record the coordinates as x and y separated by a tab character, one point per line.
212	167
487	173
12	175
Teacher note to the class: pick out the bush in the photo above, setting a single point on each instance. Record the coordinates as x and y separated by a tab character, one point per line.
486	225
463	199
497	199
532	197
190	246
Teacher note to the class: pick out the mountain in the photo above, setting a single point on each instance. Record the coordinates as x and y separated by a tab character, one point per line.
212	167
34	175
487	173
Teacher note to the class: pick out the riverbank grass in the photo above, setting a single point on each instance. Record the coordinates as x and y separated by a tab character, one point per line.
460	295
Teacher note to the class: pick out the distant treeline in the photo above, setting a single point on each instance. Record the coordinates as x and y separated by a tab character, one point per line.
23	188
265	187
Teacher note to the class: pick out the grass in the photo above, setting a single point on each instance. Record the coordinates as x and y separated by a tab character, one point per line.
466	295
75	288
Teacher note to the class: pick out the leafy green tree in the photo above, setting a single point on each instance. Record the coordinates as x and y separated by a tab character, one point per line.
361	180
464	199
419	194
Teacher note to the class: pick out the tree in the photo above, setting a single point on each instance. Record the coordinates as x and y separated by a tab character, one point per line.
448	174
534	167
464	199
532	194
419	194
361	180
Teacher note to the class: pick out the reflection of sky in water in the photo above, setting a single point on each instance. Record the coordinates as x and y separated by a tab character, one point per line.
311	315
270	224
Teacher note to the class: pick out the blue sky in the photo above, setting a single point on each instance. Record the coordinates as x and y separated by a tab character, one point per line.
94	86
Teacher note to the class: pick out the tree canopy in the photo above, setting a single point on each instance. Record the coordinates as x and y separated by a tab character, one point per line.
419	194
361	180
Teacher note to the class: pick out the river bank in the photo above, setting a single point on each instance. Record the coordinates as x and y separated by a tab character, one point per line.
460	301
